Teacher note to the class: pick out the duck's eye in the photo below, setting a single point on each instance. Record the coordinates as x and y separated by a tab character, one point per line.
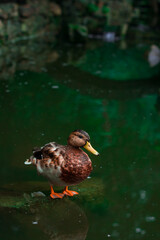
80	136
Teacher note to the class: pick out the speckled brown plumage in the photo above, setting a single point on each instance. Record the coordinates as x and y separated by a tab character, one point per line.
77	166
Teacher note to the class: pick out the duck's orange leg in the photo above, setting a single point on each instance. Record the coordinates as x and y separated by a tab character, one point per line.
68	192
55	195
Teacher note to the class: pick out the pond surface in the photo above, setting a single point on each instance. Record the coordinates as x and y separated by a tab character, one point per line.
121	198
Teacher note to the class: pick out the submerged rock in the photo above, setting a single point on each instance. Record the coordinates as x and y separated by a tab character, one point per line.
21	209
12	201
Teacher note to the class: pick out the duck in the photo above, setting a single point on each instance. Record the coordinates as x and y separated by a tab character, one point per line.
64	165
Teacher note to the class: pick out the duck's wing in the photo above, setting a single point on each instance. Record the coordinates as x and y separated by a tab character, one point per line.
37	153
46	151
51	151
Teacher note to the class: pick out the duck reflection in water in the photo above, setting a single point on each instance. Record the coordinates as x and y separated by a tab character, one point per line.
61	220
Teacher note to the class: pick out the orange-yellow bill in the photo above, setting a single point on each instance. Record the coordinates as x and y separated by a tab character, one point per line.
90	148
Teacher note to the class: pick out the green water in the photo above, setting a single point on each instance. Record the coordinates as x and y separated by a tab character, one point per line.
121	199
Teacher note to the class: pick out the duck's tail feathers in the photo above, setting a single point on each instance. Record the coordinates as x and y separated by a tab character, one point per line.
31	160
27	162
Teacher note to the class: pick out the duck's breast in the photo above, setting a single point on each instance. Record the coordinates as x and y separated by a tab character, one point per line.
76	168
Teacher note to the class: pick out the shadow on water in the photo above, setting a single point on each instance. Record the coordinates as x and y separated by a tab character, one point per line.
121	200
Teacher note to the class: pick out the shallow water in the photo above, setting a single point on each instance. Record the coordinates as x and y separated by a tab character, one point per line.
121	199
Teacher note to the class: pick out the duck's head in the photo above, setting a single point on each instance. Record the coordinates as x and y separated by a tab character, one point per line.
80	138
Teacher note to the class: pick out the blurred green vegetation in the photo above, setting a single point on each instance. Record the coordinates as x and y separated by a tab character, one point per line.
77	20
99	17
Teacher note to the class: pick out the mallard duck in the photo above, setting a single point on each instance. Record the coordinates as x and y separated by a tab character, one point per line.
64	165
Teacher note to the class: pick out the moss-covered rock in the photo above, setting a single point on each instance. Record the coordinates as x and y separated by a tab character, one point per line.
24	194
